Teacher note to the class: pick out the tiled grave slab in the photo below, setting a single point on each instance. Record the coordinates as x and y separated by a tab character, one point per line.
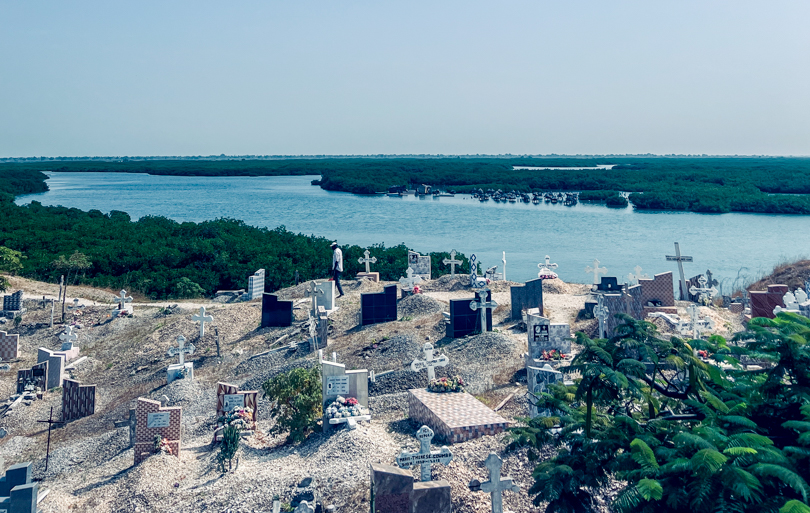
455	417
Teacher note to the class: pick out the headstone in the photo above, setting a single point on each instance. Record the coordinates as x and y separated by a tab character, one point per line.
18	492
314	293
154	420
475	280
634	277
327	300
452	262
628	302
657	294
429	362
9	346
276	313
703	290
539	379
544	335
546	270
13	302
77	400
696	326
394	491
368	260
420	264
464	320
229	397
68	338
56	366
680	259
123	299
202	319
377	307
484	304
454	416
596	271
526	297
424	457
609	284
337	381
503	259
33	378
182	369
411	280
255	285
763	303
496	486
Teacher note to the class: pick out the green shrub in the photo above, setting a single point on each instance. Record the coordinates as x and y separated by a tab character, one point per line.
229	447
298	402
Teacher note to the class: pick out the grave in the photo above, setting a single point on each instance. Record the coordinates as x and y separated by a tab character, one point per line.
368	260
319	329
495	486
77	400
153	420
377	307
764	302
609	284
424	457
484	305
69	349
255	285
229	397
475	280
393	491
9	346
464	320
56	367
539	379
657	294
546	270
276	313
795	302
525	297
202	319
33	378
18	492
601	312
409	282
634	277
454	416
629	302
337	381
182	369
13	305
680	259
327	300
420	264
452	262
696	325
429	362
699	289
544	336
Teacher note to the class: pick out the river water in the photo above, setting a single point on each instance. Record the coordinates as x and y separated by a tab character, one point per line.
731	245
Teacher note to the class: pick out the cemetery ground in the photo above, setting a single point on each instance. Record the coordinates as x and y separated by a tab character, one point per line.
91	461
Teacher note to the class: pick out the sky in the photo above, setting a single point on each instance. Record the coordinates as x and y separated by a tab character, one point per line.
342	77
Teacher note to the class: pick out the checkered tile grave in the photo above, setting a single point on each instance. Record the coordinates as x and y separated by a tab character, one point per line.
77	400
455	417
764	302
145	437
9	346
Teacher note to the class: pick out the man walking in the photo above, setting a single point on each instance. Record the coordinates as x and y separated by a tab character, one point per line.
337	266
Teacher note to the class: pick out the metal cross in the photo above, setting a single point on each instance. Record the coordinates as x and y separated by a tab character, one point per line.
202	319
123	299
680	259
546	272
367	260
314	292
50	423
68	337
601	312
483	305
596	271
712	282
633	278
411	280
181	349
496	486
452	262
429	361
703	289
424	457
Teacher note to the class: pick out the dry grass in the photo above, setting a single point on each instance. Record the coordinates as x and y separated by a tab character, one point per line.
792	274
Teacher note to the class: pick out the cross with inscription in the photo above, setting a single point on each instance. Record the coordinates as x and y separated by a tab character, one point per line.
636	275
411	280
496	486
202	319
703	289
368	260
546	272
123	299
68	337
680	259
182	349
596	271
424	457
452	262
483	305
314	292
429	362
601	312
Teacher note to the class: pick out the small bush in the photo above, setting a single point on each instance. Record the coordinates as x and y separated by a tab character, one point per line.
298	402
229	447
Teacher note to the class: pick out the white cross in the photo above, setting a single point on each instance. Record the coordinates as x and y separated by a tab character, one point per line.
596	271
305	507
182	349
546	267
700	291
75	304
424	456
791	302
680	259
429	361
633	278
496	486
601	312
314	292
68	337
504	265
696	325
452	262
483	305
411	280
202	319
367	261
123	299
800	295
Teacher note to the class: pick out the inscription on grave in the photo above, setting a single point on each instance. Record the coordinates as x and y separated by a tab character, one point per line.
157	420
337	385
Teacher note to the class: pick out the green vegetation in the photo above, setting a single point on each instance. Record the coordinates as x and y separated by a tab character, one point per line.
681	433
10	263
611	199
228	447
297	402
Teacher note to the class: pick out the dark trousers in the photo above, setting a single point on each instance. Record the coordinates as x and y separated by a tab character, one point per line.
336	277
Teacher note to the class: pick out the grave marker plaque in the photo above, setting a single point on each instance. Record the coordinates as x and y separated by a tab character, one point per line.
157	420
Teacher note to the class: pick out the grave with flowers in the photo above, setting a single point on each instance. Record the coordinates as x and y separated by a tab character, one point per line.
345	395
236	408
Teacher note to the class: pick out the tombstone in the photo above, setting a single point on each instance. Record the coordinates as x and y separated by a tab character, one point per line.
609	284
337	381
255	285
546	270
393	491
9	346
409	282
496	486
35	377
319	329
377	307
629	302
657	294
539	379
544	335
680	259
596	271
452	262
327	300
763	303
202	319
77	400
791	304
368	260
484	305
601	313
464	320
429	362
18	492
526	297
420	264
153	420
276	313
701	290
68	338
424	457
182	369
56	367
229	397
304	507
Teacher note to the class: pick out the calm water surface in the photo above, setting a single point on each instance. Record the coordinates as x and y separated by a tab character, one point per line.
572	236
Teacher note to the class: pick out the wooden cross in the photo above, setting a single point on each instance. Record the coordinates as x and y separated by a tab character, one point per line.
424	457
50	423
601	312
483	305
367	260
496	486
546	267
202	319
123	299
633	278
429	361
596	271
452	262
181	349
411	280
680	259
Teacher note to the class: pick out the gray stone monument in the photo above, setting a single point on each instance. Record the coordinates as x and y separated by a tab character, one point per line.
410	281
704	290
424	457
547	269
545	335
368	260
539	379
68	338
313	291
255	285
601	312
337	381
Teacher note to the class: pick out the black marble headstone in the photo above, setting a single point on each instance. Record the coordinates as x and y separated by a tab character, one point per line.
464	320
525	297
13	302
276	313
376	307
609	284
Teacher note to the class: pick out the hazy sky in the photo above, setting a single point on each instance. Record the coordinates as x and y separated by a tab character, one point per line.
356	77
